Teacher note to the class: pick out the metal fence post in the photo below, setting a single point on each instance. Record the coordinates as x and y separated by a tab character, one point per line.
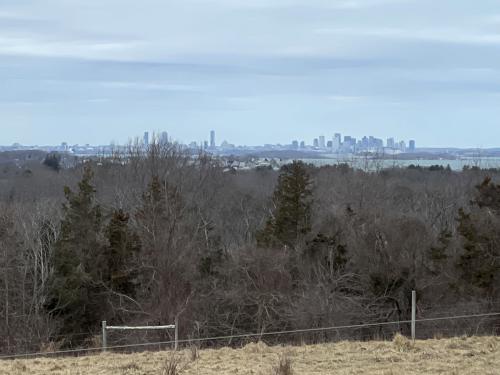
176	344
413	313
104	338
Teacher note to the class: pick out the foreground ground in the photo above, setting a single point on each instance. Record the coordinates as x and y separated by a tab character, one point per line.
476	355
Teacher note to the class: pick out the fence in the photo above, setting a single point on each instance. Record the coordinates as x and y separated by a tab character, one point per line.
413	322
106	328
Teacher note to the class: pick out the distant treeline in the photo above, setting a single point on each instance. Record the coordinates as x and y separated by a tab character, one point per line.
145	237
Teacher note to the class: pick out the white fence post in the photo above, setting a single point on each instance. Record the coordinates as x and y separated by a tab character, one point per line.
104	338
413	313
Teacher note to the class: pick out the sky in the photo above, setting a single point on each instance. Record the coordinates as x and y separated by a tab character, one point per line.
255	71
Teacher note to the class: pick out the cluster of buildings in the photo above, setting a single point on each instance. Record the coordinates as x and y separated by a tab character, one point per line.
335	145
352	145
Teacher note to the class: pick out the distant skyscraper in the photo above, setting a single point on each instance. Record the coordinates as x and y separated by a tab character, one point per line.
322	141
337	141
145	139
295	145
412	146
205	145
164	137
302	144
402	146
316	142
212	139
390	142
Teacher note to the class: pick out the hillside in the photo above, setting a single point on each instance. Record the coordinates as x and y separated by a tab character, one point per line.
475	355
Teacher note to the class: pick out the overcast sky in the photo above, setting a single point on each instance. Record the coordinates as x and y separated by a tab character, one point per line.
256	71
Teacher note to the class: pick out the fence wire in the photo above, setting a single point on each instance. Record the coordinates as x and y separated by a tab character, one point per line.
248	335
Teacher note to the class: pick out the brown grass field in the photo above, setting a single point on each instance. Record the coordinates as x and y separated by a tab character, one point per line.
473	355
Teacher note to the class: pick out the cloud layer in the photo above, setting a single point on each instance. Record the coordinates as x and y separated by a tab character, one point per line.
257	71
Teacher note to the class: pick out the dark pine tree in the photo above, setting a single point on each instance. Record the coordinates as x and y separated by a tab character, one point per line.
53	161
292	200
76	293
479	263
123	244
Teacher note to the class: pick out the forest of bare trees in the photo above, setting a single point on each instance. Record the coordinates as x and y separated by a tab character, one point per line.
148	237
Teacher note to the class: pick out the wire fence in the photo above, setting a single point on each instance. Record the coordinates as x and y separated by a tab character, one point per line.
261	335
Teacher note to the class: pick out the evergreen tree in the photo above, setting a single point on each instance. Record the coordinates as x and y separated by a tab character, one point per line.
75	290
53	161
479	264
292	199
489	195
123	244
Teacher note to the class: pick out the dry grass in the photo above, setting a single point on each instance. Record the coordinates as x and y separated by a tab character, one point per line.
284	366
475	355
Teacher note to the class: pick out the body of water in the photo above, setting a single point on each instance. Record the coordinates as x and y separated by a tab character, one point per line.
369	164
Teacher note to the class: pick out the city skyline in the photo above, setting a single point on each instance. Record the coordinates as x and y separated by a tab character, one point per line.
257	71
212	142
336	143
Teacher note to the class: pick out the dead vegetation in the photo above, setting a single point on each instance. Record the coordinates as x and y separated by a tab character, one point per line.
284	366
172	365
461	355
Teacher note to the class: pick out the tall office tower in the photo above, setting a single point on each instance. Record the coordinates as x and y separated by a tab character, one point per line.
336	142
164	138
338	137
316	143
412	146
371	141
205	145
145	139
295	145
390	142
322	141
302	144
402	146
212	139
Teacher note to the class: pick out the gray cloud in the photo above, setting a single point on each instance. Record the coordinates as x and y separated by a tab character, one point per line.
257	71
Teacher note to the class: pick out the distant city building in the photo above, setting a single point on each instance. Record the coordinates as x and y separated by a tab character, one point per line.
302	144
145	139
205	145
390	142
295	145
316	143
212	139
412	146
349	144
402	146
329	144
337	142
227	146
322	141
164	137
